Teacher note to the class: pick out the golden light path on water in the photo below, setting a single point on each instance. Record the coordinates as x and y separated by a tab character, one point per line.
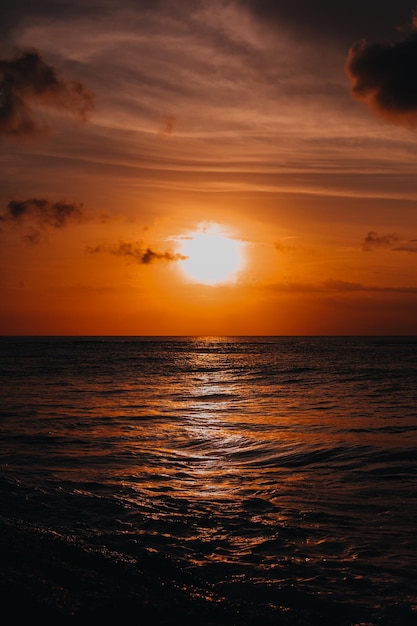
247	470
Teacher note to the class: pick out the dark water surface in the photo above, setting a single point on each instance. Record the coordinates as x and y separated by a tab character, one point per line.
258	480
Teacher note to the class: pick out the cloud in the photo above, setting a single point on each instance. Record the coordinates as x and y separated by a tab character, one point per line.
322	287
136	252
338	286
280	246
43	212
28	81
409	249
373	240
384	76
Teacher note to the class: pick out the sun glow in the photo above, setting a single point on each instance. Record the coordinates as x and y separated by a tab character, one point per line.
212	257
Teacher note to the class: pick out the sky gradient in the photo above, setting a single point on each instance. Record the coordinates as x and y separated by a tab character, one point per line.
125	126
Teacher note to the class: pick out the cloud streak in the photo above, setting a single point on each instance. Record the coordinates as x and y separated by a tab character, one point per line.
136	252
27	81
408	249
339	286
383	75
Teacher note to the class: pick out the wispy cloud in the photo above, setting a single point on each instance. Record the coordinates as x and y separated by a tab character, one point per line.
339	286
373	240
390	241
283	246
411	249
27	81
136	251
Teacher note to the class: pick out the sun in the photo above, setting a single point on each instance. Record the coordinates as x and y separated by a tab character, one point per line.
212	258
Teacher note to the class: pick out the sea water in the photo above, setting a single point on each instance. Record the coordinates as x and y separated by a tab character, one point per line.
218	480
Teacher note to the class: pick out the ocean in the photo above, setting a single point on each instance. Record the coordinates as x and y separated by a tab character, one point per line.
209	480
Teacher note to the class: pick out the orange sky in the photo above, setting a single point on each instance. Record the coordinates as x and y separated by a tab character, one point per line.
126	126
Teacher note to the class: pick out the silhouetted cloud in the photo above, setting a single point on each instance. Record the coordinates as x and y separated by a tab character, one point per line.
384	76
137	252
39	215
373	240
26	81
43	212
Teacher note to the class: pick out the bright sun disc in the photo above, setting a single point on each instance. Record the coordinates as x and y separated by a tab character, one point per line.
212	258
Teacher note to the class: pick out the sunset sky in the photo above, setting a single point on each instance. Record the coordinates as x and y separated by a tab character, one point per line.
129	129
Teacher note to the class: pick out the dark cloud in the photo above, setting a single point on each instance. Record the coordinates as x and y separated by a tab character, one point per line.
384	76
373	240
136	251
27	80
38	215
43	212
